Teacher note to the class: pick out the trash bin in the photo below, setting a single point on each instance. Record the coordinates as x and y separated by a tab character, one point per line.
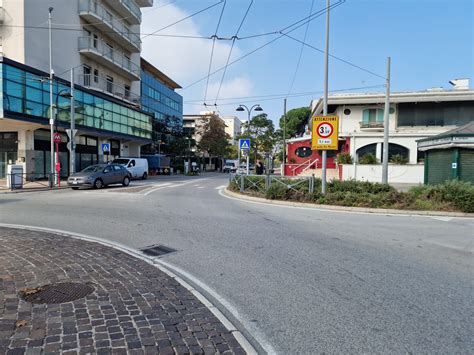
15	176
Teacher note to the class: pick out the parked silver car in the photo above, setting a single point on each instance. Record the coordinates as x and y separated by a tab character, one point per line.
100	175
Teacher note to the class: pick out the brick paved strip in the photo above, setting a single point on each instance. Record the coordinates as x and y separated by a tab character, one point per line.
135	308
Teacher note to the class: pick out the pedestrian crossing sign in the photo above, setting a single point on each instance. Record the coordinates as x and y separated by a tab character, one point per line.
244	144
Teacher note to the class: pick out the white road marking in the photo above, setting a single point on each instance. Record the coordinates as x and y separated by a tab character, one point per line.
200	187
444	219
221	187
170	271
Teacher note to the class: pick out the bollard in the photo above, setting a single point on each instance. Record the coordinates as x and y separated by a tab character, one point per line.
242	183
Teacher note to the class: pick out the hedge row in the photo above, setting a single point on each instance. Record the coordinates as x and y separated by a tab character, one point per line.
449	196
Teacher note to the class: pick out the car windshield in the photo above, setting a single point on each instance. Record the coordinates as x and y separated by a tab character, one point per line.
120	161
229	164
93	169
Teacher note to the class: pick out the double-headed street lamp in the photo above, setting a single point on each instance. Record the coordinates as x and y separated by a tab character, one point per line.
242	108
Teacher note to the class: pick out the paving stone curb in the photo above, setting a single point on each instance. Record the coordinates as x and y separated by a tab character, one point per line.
136	307
385	211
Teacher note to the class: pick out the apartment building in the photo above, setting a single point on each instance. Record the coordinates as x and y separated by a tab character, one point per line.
100	41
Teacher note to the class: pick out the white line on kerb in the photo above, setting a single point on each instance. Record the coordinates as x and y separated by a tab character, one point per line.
167	269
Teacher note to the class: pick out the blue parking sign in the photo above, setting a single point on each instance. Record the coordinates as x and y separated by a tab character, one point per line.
244	144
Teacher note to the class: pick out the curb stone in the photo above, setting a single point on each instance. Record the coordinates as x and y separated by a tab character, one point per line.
384	211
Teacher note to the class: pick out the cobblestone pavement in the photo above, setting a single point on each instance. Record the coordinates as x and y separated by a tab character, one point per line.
135	308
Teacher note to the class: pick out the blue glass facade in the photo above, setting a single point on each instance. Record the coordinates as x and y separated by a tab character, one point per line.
163	103
26	96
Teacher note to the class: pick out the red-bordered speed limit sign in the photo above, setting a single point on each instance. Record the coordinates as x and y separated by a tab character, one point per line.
325	133
325	129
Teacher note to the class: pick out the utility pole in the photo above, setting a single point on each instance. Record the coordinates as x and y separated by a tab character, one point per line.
386	121
284	140
325	97
72	159
51	115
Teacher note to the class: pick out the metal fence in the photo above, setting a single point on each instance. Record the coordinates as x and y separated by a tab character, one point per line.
261	183
17	181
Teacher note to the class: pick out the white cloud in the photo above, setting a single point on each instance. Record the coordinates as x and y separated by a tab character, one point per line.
237	87
185	60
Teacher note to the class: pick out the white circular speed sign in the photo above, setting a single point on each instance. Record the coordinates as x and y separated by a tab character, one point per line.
325	129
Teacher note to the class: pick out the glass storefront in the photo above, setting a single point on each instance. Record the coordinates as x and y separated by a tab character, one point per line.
28	93
8	151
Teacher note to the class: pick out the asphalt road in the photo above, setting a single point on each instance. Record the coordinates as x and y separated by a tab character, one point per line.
299	280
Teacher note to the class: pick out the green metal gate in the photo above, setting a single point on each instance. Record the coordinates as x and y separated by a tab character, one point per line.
438	166
466	165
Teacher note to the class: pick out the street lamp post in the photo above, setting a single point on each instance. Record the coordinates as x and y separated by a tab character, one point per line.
242	108
51	116
67	94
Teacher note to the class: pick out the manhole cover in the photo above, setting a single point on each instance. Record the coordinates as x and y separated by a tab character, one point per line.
57	293
157	250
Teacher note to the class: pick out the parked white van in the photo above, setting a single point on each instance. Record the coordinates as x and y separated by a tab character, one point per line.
138	167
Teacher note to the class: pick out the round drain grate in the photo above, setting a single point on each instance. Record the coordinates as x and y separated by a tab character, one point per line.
57	293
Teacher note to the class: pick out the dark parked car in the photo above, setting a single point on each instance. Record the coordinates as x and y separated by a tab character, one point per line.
100	175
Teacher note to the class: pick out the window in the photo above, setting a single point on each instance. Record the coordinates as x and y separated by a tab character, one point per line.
347	112
372	116
96	75
127	91
110	83
435	113
303	152
396	149
95	41
109	50
87	75
368	149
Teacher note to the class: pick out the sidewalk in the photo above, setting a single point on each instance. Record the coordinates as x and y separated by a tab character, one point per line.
133	307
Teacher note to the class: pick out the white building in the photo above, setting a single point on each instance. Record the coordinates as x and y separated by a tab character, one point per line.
100	39
413	116
233	127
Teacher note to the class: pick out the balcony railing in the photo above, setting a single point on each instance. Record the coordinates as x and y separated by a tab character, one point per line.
116	89
100	49
115	25
371	124
126	8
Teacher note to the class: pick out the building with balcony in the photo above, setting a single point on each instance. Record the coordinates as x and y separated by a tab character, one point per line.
159	98
413	116
97	40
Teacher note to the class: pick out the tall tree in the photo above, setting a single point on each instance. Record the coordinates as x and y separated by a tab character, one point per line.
296	120
261	132
214	140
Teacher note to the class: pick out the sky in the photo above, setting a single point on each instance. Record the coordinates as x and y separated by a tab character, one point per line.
429	41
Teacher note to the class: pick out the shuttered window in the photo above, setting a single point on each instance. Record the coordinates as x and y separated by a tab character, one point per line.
439	166
466	165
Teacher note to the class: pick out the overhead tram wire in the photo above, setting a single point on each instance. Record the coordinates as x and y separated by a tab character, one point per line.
301	52
81	30
212	51
313	16
230	51
279	96
335	57
184	18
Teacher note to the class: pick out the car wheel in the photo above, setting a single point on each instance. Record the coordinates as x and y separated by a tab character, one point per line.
145	176
75	188
126	181
98	184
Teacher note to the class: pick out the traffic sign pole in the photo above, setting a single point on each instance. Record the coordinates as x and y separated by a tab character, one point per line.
325	98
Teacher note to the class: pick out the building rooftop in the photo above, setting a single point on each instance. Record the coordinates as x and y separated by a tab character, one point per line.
432	95
159	74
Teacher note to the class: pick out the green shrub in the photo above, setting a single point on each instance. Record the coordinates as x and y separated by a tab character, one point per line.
277	192
344	158
368	159
398	159
358	186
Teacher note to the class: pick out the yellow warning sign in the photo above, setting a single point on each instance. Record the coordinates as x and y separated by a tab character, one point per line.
325	133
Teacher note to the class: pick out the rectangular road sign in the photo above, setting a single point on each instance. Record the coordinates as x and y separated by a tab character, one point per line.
106	148
244	144
325	133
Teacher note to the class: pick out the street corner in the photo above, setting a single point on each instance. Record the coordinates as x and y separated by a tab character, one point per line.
64	295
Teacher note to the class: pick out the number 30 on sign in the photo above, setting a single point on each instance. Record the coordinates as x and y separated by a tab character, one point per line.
325	133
